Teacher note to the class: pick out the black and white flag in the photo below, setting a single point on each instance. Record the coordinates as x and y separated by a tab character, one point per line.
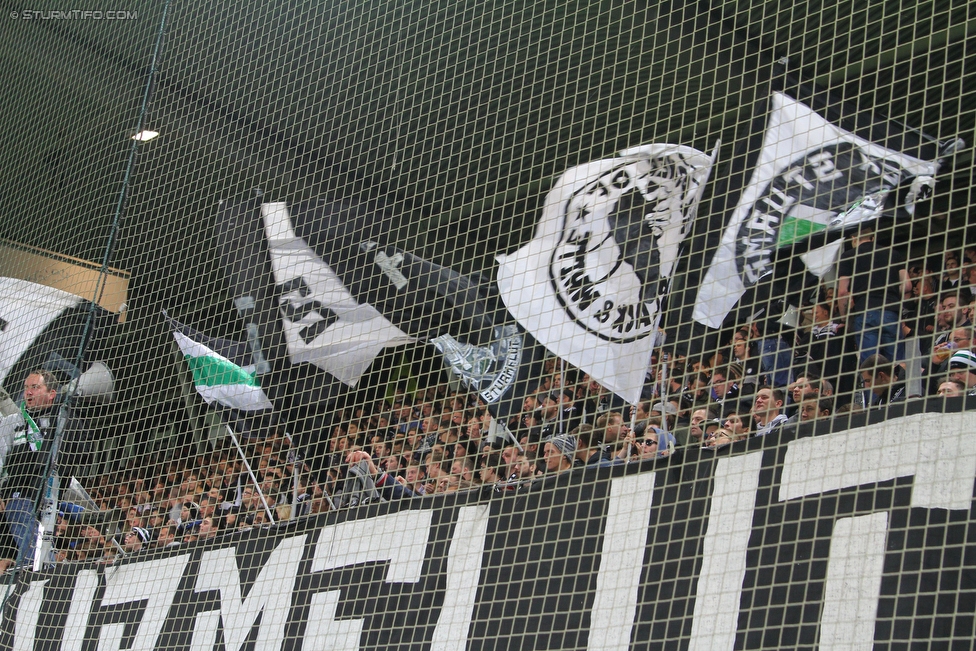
811	177
323	323
589	285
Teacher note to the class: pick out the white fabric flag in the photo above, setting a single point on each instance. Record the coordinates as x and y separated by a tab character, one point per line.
323	324
811	176
588	285
26	308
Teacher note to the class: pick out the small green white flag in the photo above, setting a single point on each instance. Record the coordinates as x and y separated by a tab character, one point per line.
218	379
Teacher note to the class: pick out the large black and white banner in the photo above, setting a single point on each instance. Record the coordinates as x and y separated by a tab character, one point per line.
811	176
26	310
589	285
856	539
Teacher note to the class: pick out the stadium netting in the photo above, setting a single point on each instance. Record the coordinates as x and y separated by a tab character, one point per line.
487	325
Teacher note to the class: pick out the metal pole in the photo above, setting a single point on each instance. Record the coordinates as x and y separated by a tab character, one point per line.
257	487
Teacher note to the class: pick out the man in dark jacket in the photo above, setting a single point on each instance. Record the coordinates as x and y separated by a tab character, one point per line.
872	281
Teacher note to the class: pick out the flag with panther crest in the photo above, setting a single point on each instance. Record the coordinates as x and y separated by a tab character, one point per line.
589	284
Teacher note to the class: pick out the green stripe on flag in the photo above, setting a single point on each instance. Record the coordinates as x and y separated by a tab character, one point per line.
794	229
212	372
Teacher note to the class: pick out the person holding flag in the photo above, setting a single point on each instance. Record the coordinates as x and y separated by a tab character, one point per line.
26	438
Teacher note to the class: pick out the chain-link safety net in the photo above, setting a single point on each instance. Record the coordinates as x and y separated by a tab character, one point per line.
492	324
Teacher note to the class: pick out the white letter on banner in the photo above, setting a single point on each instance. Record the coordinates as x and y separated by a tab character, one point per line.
854	568
621	562
724	548
935	449
28	611
463	573
270	594
152	581
400	538
81	602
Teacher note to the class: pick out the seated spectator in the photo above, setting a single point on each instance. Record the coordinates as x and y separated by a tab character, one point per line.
587	449
951	389
366	483
948	317
206	529
709	427
611	432
490	472
744	355
559	414
878	375
952	275
695	432
654	442
812	407
447	484
810	380
721	438
767	411
738	427
724	388
166	537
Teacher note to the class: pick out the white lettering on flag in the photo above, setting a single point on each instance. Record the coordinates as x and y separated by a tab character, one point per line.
809	171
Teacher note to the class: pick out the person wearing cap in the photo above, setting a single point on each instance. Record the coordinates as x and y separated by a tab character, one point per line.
962	367
135	540
667	410
559	452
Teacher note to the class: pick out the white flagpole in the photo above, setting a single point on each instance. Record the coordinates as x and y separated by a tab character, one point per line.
257	487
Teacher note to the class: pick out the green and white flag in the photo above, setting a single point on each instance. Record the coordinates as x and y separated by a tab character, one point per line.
218	378
811	176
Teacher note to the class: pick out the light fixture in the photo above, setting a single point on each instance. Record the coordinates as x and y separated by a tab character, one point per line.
145	135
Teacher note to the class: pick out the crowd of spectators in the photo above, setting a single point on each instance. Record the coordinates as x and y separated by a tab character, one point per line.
891	330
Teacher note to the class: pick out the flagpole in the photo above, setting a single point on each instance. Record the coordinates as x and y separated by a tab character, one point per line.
257	487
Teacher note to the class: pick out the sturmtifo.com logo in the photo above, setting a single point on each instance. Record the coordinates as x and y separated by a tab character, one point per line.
73	14
620	237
